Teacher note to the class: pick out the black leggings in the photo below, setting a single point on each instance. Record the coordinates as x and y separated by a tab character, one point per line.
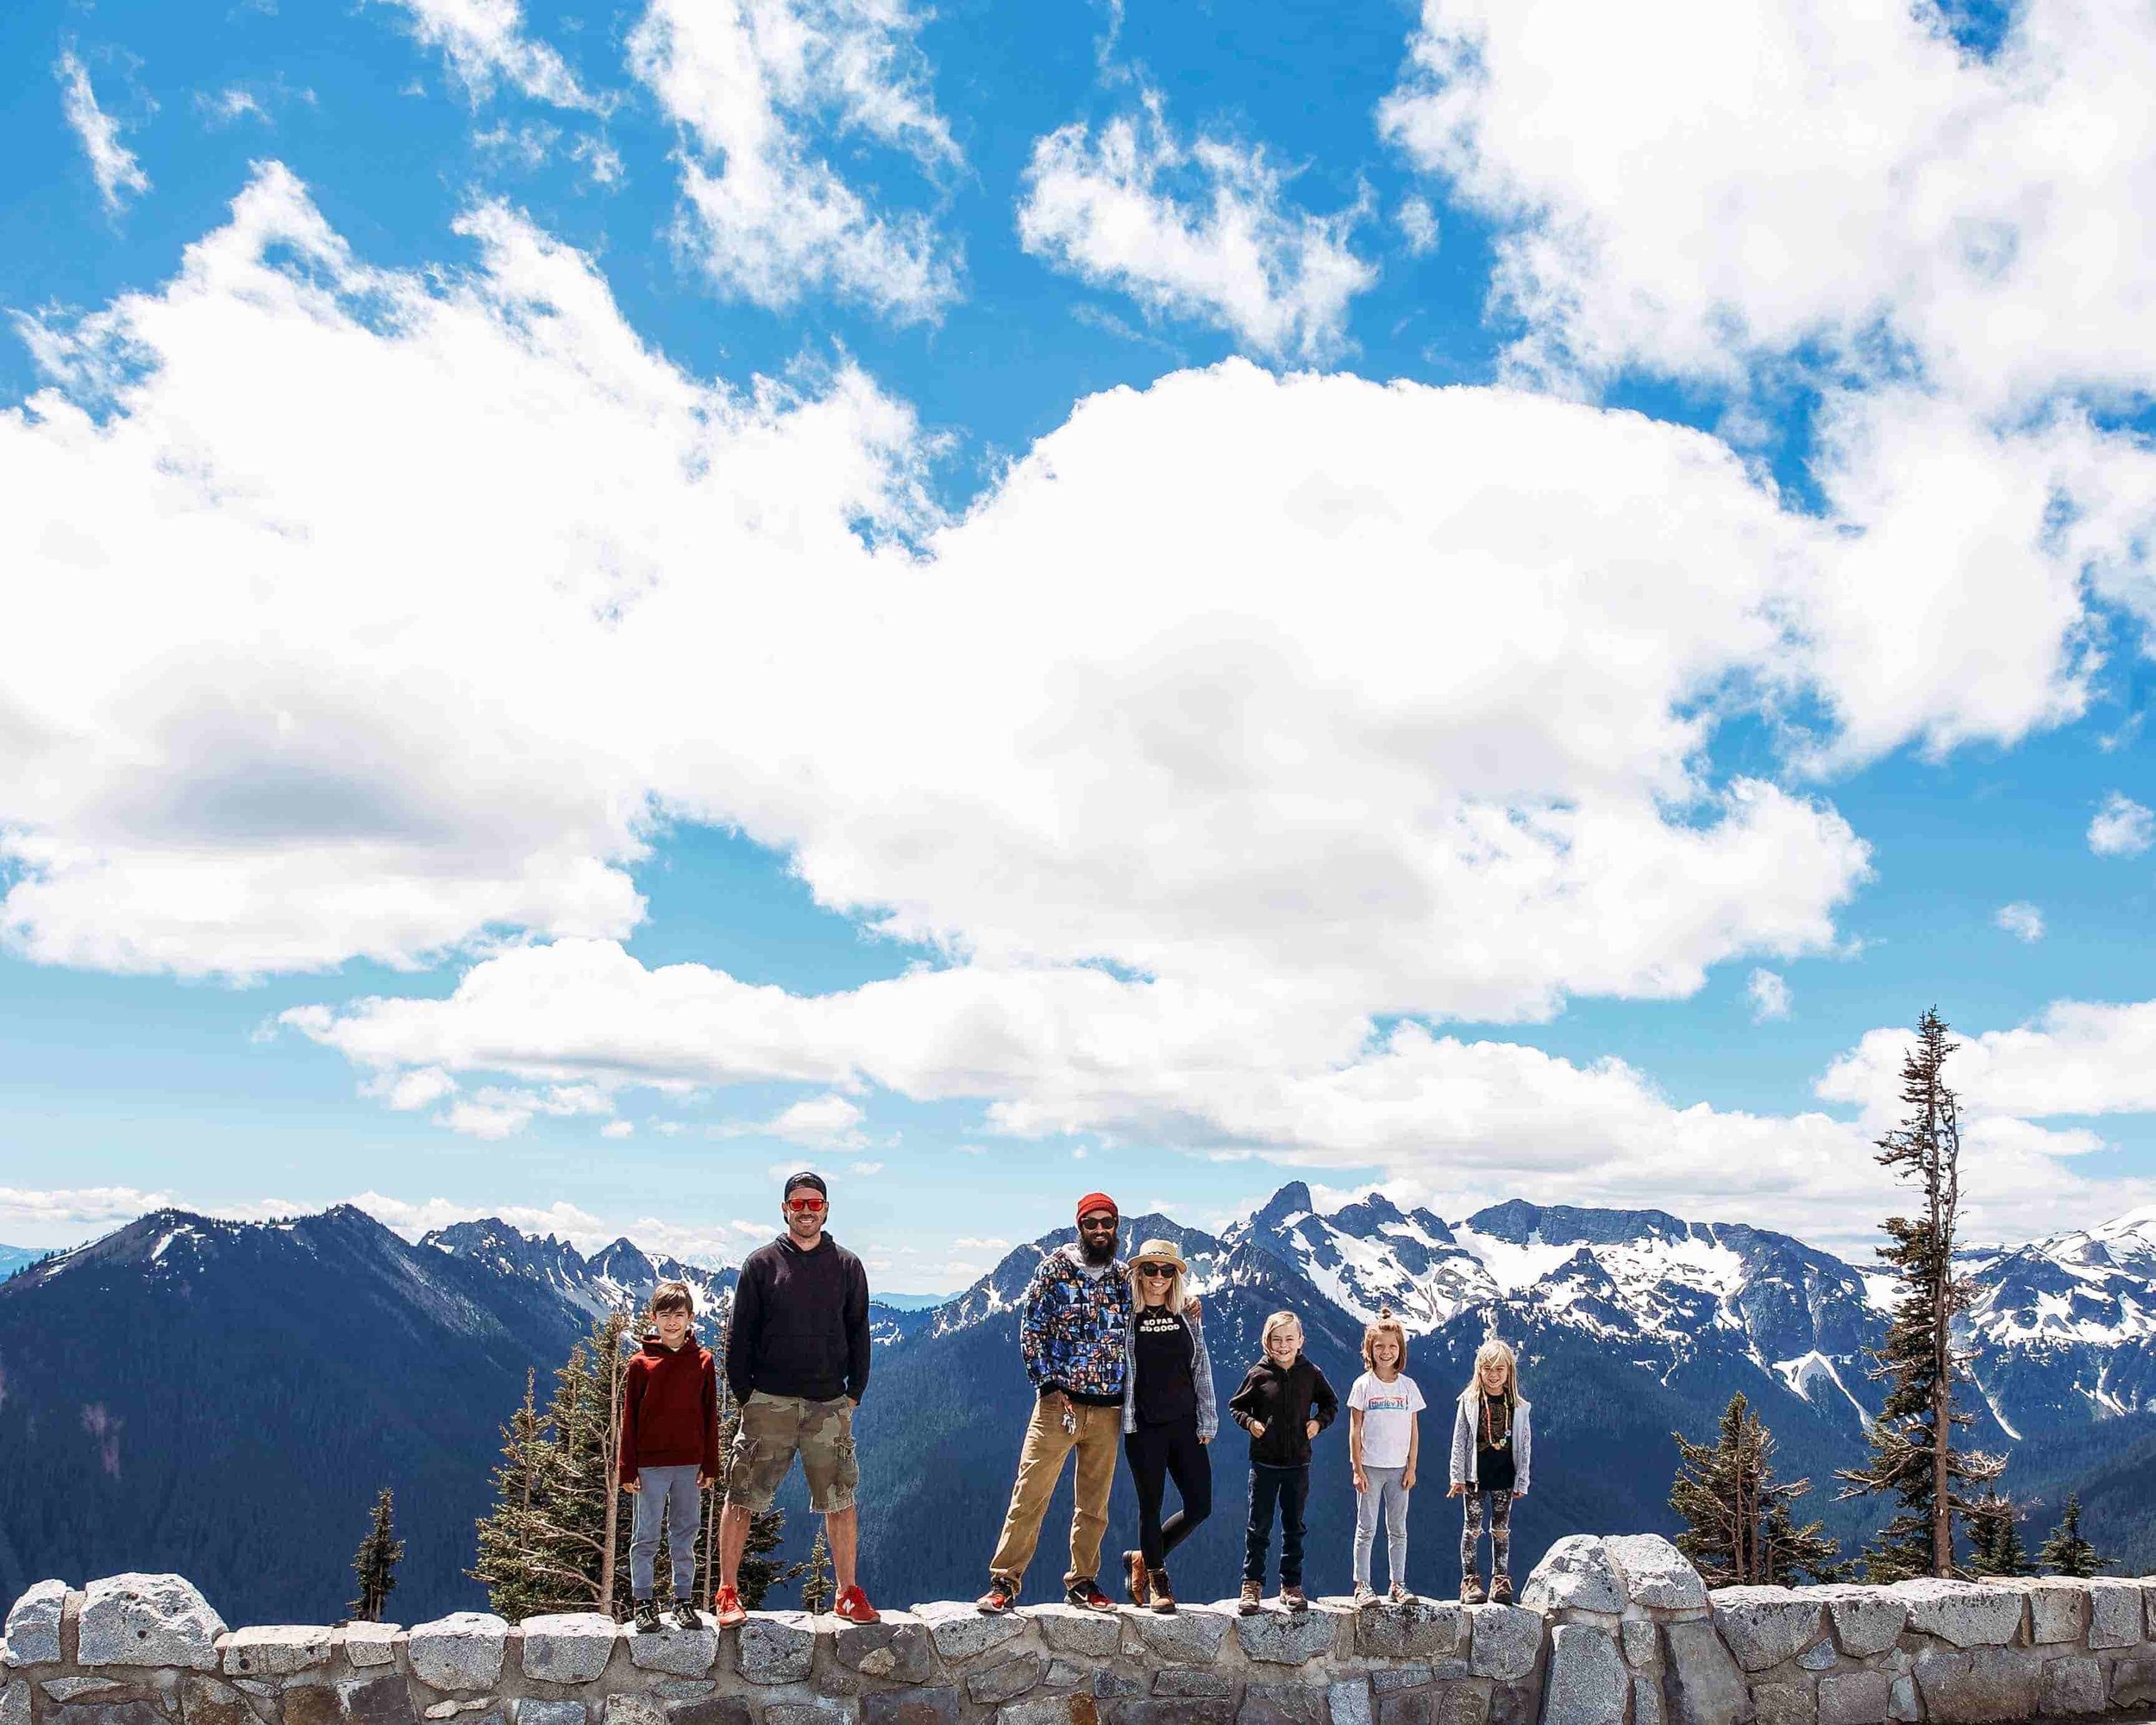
1157	1453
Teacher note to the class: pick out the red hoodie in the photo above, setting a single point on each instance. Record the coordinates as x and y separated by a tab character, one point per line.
669	1416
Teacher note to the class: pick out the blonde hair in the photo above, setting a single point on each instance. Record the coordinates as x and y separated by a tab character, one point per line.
1274	1324
1177	1286
672	1296
1384	1325
1493	1349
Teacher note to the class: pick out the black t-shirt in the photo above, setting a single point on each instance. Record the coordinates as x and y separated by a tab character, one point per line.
1165	1390
1494	1469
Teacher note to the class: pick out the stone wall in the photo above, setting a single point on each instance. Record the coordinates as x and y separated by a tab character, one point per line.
1615	1631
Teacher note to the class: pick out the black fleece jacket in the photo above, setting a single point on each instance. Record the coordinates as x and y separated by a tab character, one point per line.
1283	1402
800	1323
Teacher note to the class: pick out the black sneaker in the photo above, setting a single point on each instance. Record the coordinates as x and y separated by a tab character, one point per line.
1087	1597
646	1621
685	1616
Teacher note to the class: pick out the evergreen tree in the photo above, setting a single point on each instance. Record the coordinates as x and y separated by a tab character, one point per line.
1913	1455
1738	1528
376	1560
512	1544
818	1588
2066	1553
760	1570
1995	1537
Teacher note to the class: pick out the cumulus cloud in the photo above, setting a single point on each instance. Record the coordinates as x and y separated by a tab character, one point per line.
1418	226
826	1122
618	1129
1769	995
2075	1057
769	219
485	42
2121	827
1199	229
112	164
2021	920
88	1209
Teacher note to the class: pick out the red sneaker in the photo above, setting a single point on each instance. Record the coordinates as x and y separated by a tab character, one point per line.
728	1608
853	1605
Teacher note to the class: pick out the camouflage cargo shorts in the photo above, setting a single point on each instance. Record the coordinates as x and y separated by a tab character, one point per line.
776	1429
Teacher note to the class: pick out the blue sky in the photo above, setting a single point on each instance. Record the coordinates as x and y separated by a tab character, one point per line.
1011	599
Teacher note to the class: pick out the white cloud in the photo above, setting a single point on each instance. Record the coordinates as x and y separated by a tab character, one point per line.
1768	993
769	219
89	1208
485	42
2076	1057
1200	229
254	100
409	1091
866	1169
114	166
827	1122
971	1243
2121	827
2021	920
1418	226
618	1129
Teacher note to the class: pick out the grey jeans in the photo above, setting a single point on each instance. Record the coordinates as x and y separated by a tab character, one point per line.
1385	1492
668	1493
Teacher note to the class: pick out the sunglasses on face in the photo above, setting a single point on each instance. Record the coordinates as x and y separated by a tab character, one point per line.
806	1207
1105	1225
1160	1272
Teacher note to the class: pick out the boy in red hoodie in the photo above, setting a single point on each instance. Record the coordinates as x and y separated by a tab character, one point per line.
669	1451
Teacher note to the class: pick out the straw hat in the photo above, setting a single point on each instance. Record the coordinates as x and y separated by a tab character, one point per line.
1159	1251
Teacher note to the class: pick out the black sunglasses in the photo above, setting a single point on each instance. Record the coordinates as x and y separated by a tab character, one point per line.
1162	1270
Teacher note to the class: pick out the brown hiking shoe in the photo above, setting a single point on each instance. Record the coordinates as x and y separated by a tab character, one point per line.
1501	1589
1248	1602
1162	1594
1134	1577
1470	1589
1293	1598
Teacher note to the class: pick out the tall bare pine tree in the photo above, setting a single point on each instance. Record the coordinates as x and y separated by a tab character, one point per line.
1913	1455
1738	1528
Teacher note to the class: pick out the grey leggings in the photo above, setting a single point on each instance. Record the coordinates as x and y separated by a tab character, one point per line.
1386	1492
1500	1530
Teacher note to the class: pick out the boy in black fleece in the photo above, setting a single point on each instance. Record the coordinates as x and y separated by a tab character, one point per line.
1283	1403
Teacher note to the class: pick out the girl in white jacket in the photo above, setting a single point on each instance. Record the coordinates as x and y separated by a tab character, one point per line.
1492	1444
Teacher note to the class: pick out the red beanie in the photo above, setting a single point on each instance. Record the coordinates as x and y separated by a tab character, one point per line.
1097	1201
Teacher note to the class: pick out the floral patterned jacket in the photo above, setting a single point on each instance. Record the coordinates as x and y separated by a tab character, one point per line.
1071	1329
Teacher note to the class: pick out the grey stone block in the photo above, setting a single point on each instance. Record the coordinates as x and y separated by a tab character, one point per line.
1176	1712
809	1713
376	1701
371	1644
2057	1609
1983	1684
2133	1683
1654	1572
634	1709
711	1709
1193	1685
278	1650
677	1652
1866	1619
1588	1683
1394	1679
14	1703
2115	1612
1064	1674
1006	1681
1293	1638
1115	1685
928	1704
1507	1639
74	1688
141	1619
1819	1657
314	1703
1764	1626
1902	1705
138	1711
1783	1703
1416	1630
1347	1703
1282	1703
900	1648
776	1646
550	1713
1514	1704
1704	1685
1067	1629
461	1651
2071	1686
204	1701
33	1631
1050	1709
1576	1574
1854	1698
961	1632
1964	1614
1641	1647
1646	1700
568	1646
1192	1637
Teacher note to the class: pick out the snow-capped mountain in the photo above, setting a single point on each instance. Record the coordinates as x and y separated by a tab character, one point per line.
617	1276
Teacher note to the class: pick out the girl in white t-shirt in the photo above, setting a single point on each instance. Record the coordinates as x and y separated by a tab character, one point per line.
1384	1440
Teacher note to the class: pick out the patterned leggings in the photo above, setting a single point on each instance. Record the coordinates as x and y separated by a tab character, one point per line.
1500	1530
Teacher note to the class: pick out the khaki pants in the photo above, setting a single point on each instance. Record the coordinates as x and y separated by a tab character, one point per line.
1040	1465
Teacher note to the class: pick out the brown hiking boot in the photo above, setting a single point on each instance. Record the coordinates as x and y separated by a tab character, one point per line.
1248	1601
1134	1573
1501	1589
1471	1588
1292	1598
1162	1594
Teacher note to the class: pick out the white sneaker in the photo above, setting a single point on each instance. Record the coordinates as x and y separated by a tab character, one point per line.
1401	1595
1365	1595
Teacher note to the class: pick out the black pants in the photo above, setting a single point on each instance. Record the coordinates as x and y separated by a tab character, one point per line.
1157	1454
1289	1487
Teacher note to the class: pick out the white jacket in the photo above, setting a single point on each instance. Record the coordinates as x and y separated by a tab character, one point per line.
1463	1440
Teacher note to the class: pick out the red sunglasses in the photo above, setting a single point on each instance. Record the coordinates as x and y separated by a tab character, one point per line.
807	1206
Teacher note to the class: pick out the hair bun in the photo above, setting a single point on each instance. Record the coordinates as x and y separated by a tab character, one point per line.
1384	1311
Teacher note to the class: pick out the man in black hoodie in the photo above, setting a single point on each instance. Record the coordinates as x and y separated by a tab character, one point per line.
797	1360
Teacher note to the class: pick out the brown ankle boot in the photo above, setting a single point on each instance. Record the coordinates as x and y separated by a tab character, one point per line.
1163	1595
1134	1571
1248	1602
1501	1589
1471	1588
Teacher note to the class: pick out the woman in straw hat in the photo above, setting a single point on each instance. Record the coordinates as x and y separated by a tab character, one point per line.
1169	1415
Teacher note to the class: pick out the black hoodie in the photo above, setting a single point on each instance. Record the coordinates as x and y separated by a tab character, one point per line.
800	1323
1283	1401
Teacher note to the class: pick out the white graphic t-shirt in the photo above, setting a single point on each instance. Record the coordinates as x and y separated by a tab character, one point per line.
1388	1417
